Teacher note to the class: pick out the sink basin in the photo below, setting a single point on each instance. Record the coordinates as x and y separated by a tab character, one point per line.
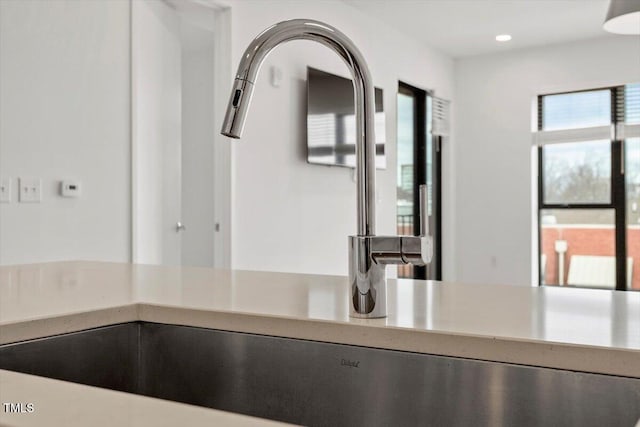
315	383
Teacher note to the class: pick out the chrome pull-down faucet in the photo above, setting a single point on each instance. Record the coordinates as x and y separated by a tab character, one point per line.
368	253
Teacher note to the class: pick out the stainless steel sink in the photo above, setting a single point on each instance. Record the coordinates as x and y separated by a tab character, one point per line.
314	383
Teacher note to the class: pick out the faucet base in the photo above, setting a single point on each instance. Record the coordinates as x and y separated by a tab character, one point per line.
367	279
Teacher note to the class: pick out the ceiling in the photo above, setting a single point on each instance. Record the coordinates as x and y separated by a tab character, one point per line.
462	28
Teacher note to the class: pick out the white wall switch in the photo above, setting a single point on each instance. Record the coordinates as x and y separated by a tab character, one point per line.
30	189
5	190
70	188
275	76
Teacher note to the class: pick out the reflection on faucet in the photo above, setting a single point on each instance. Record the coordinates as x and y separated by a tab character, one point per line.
368	253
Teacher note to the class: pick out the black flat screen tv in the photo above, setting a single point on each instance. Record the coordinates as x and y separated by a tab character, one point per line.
331	129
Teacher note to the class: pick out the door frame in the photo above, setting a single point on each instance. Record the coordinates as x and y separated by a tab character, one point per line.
617	190
223	159
421	127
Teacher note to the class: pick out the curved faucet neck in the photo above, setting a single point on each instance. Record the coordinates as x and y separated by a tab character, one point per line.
306	29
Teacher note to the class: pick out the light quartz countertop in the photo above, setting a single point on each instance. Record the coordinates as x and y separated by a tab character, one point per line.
576	329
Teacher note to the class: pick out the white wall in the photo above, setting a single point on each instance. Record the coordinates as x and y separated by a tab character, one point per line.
495	96
64	113
288	215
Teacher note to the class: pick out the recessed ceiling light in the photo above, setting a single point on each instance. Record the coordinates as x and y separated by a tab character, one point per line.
503	37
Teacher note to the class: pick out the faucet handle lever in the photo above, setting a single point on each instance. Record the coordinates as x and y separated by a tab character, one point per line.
418	250
424	214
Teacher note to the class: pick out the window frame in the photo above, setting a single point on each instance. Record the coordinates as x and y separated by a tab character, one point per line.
434	270
617	190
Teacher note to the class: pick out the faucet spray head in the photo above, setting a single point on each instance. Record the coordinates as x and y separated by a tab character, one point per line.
237	108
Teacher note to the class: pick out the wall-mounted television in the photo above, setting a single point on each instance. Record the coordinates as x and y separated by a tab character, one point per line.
331	131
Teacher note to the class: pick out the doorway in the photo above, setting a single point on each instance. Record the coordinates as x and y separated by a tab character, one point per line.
180	169
419	160
589	188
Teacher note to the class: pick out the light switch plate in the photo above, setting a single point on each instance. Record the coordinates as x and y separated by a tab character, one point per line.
275	76
30	189
5	190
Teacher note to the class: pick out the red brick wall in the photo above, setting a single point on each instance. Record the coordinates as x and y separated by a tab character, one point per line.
587	241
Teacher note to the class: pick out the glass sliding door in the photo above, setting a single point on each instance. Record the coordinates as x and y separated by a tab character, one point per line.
418	163
588	190
632	175
405	171
631	117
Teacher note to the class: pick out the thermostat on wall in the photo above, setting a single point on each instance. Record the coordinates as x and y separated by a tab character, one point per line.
70	188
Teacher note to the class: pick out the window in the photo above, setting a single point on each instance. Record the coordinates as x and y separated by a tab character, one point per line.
589	188
419	159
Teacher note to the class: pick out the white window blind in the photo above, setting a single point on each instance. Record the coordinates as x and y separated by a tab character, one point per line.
631	104
629	112
586	116
594	133
440	117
